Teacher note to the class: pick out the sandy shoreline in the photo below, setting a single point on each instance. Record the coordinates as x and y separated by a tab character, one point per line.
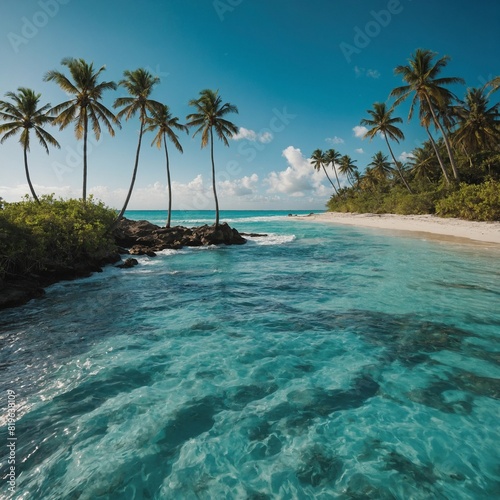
449	229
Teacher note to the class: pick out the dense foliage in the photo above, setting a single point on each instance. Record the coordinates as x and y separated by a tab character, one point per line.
52	235
455	174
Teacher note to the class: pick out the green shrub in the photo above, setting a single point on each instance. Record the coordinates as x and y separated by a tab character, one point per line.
55	233
475	202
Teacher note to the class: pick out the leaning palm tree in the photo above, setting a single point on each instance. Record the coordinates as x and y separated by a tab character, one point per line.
139	84
332	157
22	115
85	106
421	75
318	160
478	123
209	116
162	121
348	168
381	166
383	123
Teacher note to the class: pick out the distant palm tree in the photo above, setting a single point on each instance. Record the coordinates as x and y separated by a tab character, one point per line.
370	179
421	76
22	115
478	124
348	168
85	106
318	160
209	115
139	84
162	121
381	167
332	157
383	123
423	162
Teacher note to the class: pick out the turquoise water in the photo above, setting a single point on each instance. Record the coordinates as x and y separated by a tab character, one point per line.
317	362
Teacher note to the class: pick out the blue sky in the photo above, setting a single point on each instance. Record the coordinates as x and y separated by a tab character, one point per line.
302	73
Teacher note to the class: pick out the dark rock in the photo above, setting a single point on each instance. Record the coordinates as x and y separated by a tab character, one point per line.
254	235
18	292
130	262
127	231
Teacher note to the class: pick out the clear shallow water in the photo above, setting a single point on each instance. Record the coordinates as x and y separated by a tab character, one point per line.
318	362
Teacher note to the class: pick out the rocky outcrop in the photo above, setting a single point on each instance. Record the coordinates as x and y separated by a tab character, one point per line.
144	238
17	290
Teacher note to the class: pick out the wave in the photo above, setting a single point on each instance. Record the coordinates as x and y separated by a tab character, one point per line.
272	239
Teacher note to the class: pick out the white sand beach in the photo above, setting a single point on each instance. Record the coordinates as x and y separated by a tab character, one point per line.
437	227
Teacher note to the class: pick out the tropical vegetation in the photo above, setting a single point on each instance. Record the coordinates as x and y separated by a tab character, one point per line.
454	174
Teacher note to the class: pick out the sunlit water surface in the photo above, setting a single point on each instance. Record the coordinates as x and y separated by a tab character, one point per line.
316	362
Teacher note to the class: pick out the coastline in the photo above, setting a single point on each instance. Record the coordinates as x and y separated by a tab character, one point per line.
448	229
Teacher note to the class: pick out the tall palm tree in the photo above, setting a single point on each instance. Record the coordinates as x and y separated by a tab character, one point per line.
23	115
478	124
209	116
421	75
383	123
162	121
381	167
348	168
139	84
85	106
318	160
332	157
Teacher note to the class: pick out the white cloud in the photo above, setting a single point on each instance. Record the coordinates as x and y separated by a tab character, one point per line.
240	187
360	131
404	156
369	73
360	151
298	179
335	140
252	136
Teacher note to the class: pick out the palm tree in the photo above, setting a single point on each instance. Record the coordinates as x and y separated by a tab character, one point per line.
494	84
421	76
85	105
318	160
478	124
164	123
22	115
381	167
332	157
382	123
209	115
423	162
139	84
348	168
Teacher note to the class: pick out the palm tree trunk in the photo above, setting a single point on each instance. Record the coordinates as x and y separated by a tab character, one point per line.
85	133
397	166
120	215
28	176
213	178
333	185
335	170
168	182
445	138
440	160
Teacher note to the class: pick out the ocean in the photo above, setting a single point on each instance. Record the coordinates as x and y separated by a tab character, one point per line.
316	362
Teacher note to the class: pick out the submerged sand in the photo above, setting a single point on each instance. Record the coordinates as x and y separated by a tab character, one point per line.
443	228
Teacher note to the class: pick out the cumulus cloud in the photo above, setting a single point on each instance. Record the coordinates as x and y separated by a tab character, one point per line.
252	136
240	187
298	179
404	156
360	131
335	140
360	151
369	73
